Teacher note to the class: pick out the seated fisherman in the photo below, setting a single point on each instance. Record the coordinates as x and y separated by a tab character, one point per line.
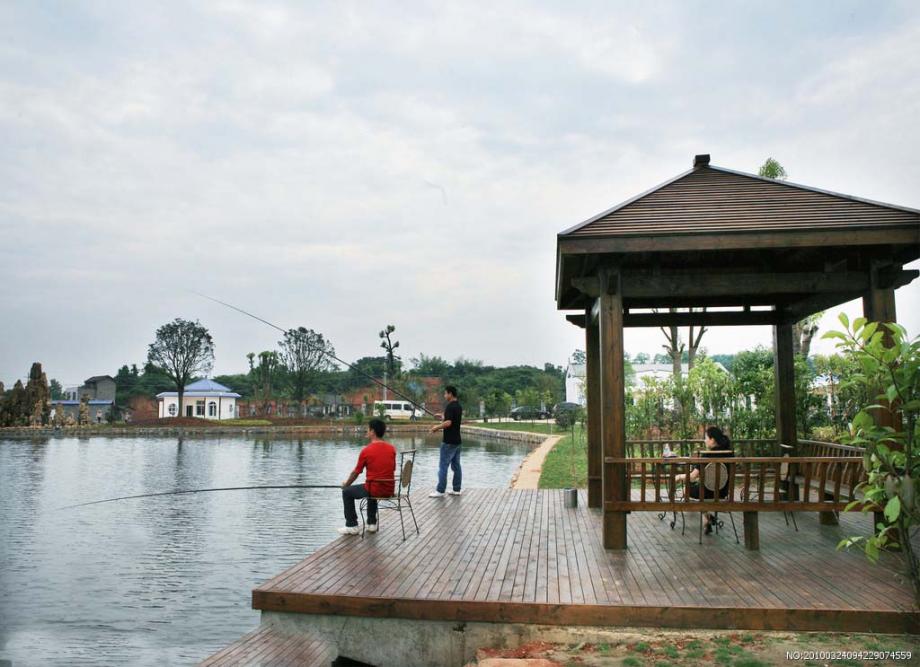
379	459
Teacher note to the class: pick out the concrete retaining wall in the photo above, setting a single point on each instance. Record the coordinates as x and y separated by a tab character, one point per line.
409	643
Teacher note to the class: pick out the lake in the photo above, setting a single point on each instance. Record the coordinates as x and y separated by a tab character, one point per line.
167	581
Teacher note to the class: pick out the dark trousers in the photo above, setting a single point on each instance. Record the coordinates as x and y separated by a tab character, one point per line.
352	493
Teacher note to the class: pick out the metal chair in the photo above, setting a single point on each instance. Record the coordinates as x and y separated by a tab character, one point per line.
708	482
401	500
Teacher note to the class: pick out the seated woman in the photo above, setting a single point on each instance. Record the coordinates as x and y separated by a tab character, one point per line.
717	444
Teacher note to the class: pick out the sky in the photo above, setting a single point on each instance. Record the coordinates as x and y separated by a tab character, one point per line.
343	166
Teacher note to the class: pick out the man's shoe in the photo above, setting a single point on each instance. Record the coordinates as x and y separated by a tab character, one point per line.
372	528
454	493
435	494
348	530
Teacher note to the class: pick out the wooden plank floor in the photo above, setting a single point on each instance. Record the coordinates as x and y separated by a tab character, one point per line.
505	555
266	647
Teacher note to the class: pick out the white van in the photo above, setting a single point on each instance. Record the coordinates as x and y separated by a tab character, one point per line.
397	410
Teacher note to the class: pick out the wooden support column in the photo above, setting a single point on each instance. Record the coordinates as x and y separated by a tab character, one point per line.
879	306
612	400
784	375
784	372
751	531
593	391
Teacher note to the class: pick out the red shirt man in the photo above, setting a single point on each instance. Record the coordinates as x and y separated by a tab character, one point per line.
378	459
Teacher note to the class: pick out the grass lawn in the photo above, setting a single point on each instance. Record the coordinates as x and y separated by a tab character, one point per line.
566	466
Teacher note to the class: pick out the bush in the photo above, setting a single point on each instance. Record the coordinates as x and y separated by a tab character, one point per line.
358	417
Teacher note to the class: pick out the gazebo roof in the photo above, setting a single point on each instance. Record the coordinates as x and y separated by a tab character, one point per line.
709	199
702	237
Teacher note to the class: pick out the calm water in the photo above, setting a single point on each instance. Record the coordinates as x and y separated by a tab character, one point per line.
167	581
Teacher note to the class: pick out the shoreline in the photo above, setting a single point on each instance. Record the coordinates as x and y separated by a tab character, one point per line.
25	432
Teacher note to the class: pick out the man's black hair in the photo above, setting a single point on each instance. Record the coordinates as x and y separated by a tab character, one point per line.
452	390
378	426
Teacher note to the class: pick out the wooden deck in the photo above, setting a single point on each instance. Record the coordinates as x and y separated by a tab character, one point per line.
521	556
267	648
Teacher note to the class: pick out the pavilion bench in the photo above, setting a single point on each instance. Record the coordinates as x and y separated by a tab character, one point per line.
755	484
805	478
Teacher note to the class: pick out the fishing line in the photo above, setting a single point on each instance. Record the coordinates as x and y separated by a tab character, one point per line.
320	350
225	488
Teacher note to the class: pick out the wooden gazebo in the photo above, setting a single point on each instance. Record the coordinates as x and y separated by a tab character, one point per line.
750	250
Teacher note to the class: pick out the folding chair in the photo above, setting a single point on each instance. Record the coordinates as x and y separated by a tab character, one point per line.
401	500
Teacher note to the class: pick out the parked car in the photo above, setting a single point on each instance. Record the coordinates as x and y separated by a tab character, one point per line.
397	410
529	412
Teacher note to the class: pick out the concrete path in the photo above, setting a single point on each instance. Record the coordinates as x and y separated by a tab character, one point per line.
528	475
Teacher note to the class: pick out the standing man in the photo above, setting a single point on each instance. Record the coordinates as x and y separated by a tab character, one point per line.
379	458
450	444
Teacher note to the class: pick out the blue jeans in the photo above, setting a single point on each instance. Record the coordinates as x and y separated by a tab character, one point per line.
450	456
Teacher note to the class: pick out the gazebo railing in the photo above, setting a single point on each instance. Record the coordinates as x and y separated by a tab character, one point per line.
642	449
829	483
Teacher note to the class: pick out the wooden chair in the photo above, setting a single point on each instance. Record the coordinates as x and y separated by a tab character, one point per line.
400	501
716	478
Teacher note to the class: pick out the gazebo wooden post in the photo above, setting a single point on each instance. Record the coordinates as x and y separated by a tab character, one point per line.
784	373
612	403
593	390
879	306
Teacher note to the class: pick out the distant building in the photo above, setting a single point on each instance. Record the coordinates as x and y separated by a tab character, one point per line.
663	371
205	399
575	377
99	389
575	384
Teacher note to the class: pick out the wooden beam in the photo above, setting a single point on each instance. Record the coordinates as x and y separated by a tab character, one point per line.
713	281
784	374
717	319
593	390
578	320
808	305
891	278
902	235
612	399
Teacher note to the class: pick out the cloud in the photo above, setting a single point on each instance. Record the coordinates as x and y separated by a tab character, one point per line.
278	155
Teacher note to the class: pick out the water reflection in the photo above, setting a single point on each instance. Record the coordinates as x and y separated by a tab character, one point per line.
167	580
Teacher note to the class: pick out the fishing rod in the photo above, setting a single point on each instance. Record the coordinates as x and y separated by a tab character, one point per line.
318	349
225	488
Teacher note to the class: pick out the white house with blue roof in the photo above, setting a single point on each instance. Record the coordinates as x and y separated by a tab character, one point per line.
205	399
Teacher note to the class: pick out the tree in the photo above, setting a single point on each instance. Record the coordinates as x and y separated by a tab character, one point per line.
579	357
890	362
389	345
305	354
265	377
642	358
57	391
182	350
674	349
38	396
803	332
433	366
772	169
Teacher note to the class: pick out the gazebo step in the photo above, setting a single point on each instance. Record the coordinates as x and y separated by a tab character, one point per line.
266	647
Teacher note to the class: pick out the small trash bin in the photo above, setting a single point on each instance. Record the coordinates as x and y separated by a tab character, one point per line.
571	497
